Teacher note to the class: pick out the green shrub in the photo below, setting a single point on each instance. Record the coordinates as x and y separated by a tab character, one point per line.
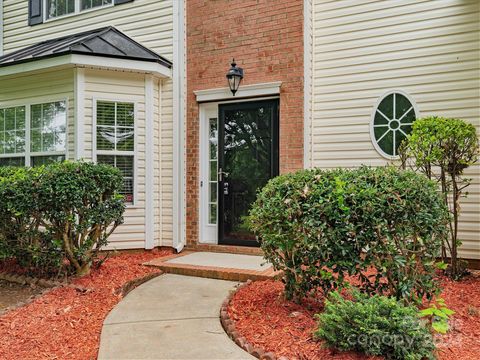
375	325
442	149
60	211
317	226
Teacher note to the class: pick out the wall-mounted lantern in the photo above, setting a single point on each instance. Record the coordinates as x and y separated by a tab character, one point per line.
234	76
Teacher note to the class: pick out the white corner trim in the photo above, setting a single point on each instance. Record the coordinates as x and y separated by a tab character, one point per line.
263	89
79	118
149	164
89	61
1	27
307	82
179	43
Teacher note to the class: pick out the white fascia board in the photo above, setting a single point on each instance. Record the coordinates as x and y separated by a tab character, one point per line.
60	61
263	89
122	64
89	61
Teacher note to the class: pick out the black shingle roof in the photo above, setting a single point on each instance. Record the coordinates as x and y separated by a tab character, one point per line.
107	42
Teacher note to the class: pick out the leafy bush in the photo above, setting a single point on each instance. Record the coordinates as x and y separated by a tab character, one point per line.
442	149
375	325
317	226
60	211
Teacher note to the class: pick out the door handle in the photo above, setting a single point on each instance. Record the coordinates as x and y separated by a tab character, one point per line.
221	174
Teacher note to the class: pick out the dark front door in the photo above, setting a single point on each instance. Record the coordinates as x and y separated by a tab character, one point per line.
248	158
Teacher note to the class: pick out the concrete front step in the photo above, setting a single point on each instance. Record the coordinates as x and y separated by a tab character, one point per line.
222	266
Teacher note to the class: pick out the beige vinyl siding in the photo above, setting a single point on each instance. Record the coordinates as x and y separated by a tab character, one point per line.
362	49
149	22
42	88
127	87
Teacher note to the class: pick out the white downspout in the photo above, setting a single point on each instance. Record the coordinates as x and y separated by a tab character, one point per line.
178	125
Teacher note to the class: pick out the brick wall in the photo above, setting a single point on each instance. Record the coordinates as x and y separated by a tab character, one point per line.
266	39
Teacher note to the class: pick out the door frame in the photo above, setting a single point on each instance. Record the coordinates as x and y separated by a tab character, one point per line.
274	165
208	234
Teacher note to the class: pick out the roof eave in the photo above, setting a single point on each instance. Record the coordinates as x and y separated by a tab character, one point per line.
159	69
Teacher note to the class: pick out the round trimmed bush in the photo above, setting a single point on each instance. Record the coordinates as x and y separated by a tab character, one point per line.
318	226
62	211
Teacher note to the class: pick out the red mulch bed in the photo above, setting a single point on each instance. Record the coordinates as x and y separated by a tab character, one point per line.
266	320
66	323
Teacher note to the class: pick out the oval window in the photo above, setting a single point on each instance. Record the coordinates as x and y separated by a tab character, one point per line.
391	122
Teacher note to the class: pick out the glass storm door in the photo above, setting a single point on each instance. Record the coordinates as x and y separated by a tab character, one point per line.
247	159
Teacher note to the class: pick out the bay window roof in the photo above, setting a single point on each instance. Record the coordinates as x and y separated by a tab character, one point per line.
106	42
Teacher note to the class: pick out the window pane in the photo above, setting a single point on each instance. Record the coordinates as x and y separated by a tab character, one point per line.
35	140
20	141
106	138
125	165
212	214
125	114
10	119
36	116
12	130
386	106
60	7
213	170
88	4
213	192
125	139
213	138
9	144
12	161
48	129
106	159
105	113
2	120
45	160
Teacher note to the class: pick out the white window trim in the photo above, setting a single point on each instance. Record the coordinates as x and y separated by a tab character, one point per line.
77	10
37	101
208	232
133	153
372	119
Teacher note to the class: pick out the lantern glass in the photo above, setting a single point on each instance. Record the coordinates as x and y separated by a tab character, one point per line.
234	77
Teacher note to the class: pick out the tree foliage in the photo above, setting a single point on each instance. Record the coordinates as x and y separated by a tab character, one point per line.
442	149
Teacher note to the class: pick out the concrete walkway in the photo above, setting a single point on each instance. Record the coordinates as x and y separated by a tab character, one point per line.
170	317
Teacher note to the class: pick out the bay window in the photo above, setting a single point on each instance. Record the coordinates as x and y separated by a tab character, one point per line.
115	141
